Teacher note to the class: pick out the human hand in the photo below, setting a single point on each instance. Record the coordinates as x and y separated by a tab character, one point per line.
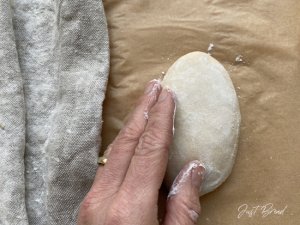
125	190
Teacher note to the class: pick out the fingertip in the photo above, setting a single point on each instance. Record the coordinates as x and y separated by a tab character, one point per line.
152	86
191	174
198	173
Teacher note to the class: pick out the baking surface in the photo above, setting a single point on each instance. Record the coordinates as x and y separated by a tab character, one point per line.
258	42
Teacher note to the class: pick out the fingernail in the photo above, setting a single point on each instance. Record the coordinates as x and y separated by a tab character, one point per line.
198	174
152	85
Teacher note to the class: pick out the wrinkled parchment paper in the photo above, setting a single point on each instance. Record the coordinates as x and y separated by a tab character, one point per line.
258	42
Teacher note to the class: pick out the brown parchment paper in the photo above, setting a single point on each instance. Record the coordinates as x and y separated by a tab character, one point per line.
258	42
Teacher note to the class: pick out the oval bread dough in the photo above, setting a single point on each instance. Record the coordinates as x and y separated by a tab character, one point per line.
207	118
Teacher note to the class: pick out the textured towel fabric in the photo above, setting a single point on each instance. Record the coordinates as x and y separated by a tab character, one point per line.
12	126
54	68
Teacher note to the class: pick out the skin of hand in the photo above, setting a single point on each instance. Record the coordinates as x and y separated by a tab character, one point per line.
125	191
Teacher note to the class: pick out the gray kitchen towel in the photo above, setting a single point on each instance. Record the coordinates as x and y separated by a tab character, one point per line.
54	69
12	125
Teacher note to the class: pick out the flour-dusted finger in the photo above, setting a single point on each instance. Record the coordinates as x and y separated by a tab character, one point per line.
183	206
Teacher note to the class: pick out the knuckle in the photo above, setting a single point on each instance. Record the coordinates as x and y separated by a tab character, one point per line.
90	200
129	133
83	217
152	141
191	210
113	220
162	125
165	109
117	216
86	210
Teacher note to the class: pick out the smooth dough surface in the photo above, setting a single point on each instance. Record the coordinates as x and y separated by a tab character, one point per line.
207	118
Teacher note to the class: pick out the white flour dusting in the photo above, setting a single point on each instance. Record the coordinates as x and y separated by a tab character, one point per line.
174	114
179	181
146	115
152	96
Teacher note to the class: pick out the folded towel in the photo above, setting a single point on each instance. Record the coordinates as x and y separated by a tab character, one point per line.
54	61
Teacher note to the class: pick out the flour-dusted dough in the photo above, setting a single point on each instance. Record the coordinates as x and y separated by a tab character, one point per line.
207	118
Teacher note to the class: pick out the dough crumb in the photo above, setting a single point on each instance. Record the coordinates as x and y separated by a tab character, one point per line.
239	58
210	48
